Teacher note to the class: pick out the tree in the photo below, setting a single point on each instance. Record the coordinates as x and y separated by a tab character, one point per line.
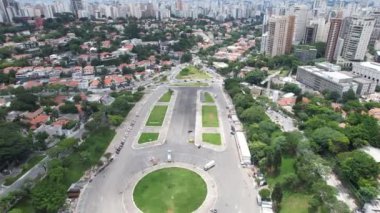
332	95
3	113
14	147
186	57
253	114
357	166
349	96
277	196
277	159
68	108
24	102
321	49
40	138
132	30
255	77
326	139
77	98
125	58
265	194
293	88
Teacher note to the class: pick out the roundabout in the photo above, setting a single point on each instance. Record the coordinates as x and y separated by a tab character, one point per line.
170	190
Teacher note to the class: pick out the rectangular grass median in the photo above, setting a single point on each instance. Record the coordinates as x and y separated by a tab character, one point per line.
208	98
157	116
166	97
210	116
146	137
212	138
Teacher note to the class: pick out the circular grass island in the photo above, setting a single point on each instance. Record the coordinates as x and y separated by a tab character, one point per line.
170	190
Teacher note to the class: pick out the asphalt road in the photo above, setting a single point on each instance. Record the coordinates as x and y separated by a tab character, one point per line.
236	192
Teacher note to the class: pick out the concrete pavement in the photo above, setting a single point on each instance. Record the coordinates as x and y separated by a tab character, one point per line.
235	189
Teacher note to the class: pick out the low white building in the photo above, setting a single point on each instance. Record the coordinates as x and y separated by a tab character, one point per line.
368	70
242	144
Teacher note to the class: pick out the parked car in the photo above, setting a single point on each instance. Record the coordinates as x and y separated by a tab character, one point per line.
169	156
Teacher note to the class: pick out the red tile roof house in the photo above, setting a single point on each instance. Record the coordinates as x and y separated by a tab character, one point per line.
7	70
114	80
106	44
31	84
375	112
286	101
36	118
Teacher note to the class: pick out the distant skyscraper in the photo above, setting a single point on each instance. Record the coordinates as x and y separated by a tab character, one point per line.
8	10
332	38
356	33
278	40
300	12
76	6
179	5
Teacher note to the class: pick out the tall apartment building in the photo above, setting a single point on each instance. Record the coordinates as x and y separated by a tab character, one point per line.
355	33
300	12
278	38
76	6
332	38
376	30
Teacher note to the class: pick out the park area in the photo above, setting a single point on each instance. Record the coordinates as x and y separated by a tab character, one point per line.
147	137
166	97
292	201
157	116
210	116
212	138
192	72
170	190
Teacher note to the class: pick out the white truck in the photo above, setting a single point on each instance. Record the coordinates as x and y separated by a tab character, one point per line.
209	165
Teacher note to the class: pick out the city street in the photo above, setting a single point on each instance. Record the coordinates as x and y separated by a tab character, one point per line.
235	189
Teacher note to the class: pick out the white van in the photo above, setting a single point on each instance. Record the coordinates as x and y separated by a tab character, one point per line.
169	157
209	165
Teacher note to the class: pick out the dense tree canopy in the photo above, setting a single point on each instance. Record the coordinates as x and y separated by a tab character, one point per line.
14	147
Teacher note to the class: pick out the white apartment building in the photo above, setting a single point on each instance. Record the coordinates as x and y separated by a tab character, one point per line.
356	33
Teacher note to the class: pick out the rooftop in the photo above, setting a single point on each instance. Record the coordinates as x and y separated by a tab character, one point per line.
332	76
372	65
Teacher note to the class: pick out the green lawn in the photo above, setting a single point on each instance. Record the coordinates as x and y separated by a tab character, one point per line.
166	97
287	167
25	167
157	116
210	116
146	137
192	72
212	138
170	190
291	202
208	98
295	202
